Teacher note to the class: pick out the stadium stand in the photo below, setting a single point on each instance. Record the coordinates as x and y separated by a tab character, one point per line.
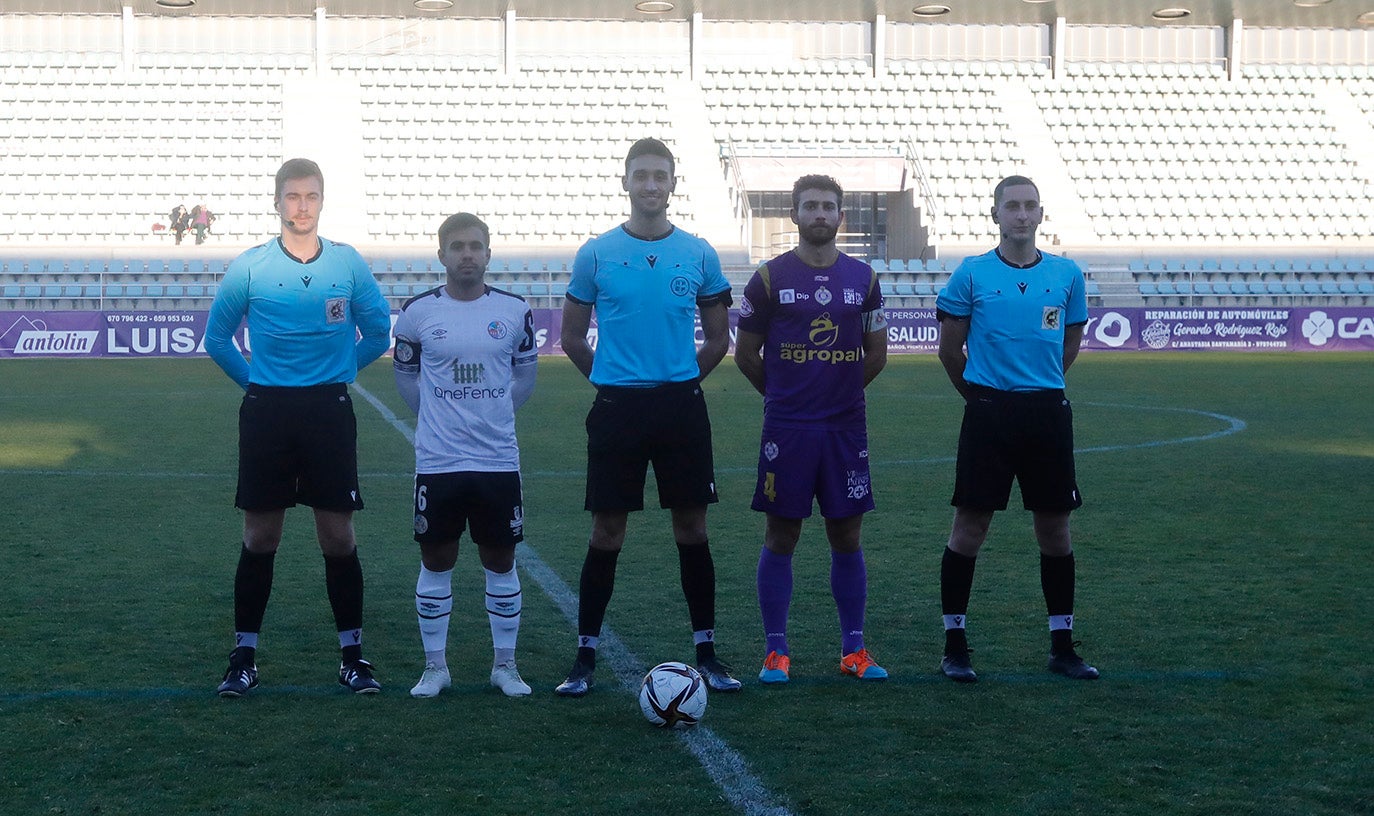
1178	182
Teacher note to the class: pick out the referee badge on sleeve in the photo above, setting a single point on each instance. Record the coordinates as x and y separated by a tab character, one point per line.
1050	318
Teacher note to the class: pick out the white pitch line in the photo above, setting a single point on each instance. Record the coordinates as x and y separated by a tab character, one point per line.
1234	425
722	763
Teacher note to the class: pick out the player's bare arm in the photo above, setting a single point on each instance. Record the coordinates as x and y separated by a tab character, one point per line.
953	335
715	327
1073	341
577	319
749	358
875	354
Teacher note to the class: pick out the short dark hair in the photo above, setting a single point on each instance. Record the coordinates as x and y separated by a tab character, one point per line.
817	182
297	169
650	147
462	221
1010	181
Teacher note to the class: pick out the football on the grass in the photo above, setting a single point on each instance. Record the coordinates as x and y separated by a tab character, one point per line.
673	695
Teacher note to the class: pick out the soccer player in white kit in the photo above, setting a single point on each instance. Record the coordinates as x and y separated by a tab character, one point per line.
465	360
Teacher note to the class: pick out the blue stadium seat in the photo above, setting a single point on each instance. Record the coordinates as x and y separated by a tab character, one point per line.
12	291
1202	288
896	265
878	264
1365	287
1148	289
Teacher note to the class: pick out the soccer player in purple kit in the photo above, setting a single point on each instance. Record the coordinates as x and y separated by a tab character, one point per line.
1021	312
812	335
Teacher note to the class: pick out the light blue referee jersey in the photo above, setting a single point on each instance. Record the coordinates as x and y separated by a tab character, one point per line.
645	294
303	317
1016	318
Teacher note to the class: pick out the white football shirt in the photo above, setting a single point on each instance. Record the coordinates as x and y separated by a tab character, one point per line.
466	353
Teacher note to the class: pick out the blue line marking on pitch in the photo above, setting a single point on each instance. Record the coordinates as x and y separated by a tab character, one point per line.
985	679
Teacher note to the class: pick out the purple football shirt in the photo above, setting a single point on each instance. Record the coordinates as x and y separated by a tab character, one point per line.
813	322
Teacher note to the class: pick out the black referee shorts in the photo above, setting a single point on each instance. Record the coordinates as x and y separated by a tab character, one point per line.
1026	436
298	446
629	428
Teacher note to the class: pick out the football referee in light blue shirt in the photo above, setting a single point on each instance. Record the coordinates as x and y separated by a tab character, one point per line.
647	280
306	300
1021	313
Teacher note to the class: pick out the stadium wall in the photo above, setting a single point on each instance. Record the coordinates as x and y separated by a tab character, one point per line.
126	334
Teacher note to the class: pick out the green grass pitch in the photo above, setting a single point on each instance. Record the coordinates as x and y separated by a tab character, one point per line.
1225	591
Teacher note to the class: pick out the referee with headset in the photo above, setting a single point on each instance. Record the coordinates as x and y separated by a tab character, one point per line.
307	299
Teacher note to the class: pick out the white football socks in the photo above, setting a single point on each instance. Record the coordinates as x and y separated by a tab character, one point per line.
503	611
433	607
